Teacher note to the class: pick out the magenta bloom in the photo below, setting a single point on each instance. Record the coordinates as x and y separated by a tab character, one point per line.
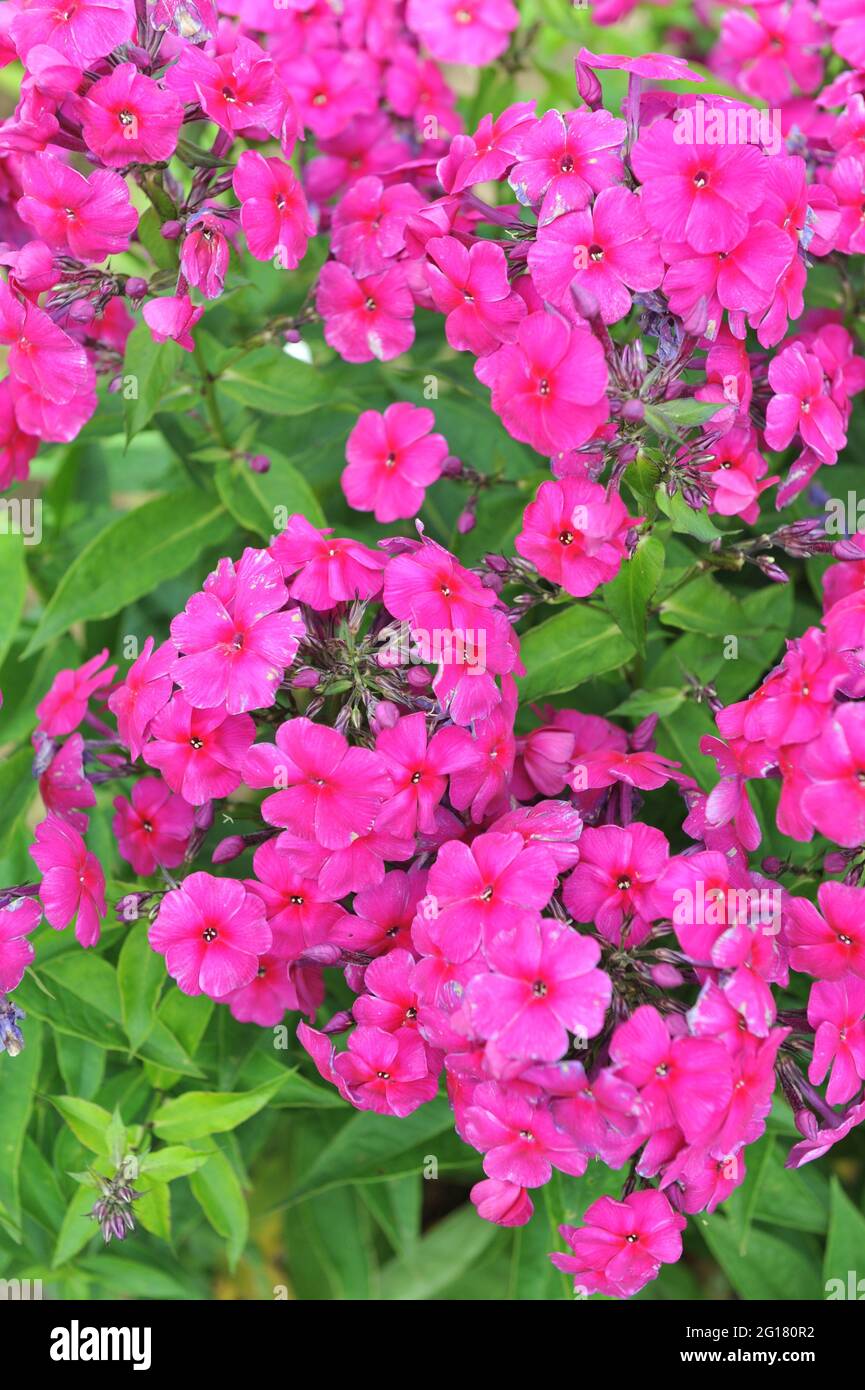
543	986
369	223
606	251
699	194
835	1011
299	912
64	789
829	943
471	287
91	218
477	890
504	1203
42	360
17	921
211	932
205	253
327	569
154	828
417	768
267	997
549	387
198	751
474	32
613	883
82	32
563	160
64	706
835	763
388	1073
73	884
390	1001
235	645
368	317
330	791
622	1244
801	404
520	1141
273	210
575	534
237	88
146	690
172	316
392	459
128	118
684	1081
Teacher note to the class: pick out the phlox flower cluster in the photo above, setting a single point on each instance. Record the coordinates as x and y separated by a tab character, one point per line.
506	918
199	107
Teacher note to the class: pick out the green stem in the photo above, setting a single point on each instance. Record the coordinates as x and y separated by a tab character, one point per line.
210	401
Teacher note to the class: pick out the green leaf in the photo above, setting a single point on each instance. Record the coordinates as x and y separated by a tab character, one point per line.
449	1248
130	557
199	1113
18	1077
77	1227
684	518
569	648
140	976
149	368
173	1161
254	499
13	587
88	1122
775	1267
277	384
845	1245
629	594
162	251
153	1209
368	1146
17	790
669	417
217	1190
662	699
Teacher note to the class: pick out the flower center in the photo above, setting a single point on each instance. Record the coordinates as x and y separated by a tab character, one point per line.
487	894
125	117
209	934
415	777
543	386
296	900
596	253
146	825
539	989
701	178
566	538
196	743
623	884
567	164
383	1075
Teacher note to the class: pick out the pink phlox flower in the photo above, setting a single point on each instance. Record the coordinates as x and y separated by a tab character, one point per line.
235	645
828	941
128	118
563	160
548	387
267	997
17	920
205	252
369	223
393	457
388	1073
622	1245
489	153
83	33
63	786
801	404
612	885
42	359
542	987
152	829
470	286
323	569
211	932
64	706
504	1203
554	825
835	1012
383	915
91	218
172	316
73	884
145	691
198	751
479	889
575	534
835	762
520	1141
328	790
473	32
238	88
366	318
685	1081
273	210
390	1001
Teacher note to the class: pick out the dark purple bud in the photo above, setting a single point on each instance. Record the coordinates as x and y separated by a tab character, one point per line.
339	1023
228	849
633	410
306	678
171	230
136	288
418	677
466	521
773	865
452	467
258	463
